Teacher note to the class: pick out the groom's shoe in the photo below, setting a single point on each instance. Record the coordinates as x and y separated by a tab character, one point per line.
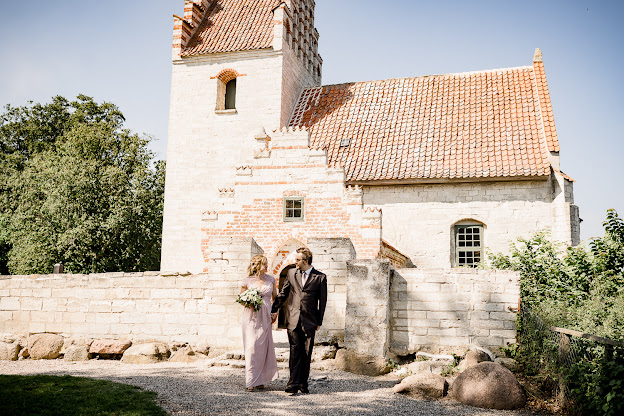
292	389
304	390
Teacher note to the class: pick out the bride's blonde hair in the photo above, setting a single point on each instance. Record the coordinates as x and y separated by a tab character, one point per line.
256	265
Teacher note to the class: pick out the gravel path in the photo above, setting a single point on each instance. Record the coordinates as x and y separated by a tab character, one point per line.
200	389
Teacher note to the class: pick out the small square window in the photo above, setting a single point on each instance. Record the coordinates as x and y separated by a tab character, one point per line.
293	209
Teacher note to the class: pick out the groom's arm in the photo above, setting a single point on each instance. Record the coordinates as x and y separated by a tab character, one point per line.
281	298
322	300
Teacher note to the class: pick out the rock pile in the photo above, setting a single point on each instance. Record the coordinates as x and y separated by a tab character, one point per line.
54	346
481	383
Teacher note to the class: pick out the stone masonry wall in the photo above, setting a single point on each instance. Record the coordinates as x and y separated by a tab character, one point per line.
287	167
137	306
367	325
116	305
370	309
508	210
441	310
330	257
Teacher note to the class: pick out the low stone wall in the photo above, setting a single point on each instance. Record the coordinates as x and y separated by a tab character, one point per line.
451	308
113	305
331	256
371	308
168	307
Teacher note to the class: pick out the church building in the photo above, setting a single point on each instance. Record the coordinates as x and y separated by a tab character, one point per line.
429	172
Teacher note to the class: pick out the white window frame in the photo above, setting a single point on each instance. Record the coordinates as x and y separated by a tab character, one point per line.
464	243
299	199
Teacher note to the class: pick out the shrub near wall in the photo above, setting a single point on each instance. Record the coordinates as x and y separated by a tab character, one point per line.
580	289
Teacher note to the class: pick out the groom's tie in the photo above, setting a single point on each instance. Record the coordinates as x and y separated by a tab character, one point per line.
300	278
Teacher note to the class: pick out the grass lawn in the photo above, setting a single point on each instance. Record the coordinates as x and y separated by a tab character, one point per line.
73	396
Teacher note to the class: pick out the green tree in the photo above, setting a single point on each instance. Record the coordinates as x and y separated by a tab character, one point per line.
77	189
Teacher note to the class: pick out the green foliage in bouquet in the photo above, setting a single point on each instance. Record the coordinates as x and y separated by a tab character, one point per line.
251	298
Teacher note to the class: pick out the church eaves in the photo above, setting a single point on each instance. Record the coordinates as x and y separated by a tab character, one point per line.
487	125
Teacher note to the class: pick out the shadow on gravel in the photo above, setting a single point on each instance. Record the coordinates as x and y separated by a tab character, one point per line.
340	394
199	391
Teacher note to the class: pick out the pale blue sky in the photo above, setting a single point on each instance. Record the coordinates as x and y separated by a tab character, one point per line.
120	51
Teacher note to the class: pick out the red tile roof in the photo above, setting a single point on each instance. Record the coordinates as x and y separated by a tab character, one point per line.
459	126
234	25
545	104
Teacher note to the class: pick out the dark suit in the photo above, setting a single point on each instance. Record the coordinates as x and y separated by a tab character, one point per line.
305	308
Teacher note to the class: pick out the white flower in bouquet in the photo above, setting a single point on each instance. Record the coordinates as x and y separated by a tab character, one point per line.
251	298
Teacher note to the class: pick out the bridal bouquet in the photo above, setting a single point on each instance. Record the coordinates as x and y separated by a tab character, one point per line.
251	298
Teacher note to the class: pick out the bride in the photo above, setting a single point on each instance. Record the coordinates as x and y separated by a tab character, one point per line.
260	361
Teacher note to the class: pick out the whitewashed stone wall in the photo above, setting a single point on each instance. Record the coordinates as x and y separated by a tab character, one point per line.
370	309
138	306
419	219
443	310
367	324
331	256
204	146
159	305
135	305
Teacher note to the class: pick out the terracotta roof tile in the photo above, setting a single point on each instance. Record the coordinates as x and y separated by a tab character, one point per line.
234	25
471	125
544	101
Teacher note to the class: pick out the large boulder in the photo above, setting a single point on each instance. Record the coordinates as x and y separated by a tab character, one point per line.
109	348
201	348
509	363
148	353
324	352
360	364
77	353
472	358
423	386
186	355
490	386
9	351
45	346
428	366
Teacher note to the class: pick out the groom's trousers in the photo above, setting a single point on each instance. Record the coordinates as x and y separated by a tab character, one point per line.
301	345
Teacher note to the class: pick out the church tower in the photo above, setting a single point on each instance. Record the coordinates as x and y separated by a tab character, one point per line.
239	67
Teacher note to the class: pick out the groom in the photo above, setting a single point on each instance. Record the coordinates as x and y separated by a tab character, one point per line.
305	295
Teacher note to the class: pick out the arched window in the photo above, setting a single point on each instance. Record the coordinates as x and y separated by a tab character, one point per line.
468	243
226	90
230	95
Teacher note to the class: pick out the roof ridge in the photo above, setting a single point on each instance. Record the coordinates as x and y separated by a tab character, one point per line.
484	71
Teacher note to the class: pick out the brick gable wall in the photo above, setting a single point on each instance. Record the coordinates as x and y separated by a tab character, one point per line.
285	166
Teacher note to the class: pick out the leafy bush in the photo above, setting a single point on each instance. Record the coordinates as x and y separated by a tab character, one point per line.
575	287
597	387
579	288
